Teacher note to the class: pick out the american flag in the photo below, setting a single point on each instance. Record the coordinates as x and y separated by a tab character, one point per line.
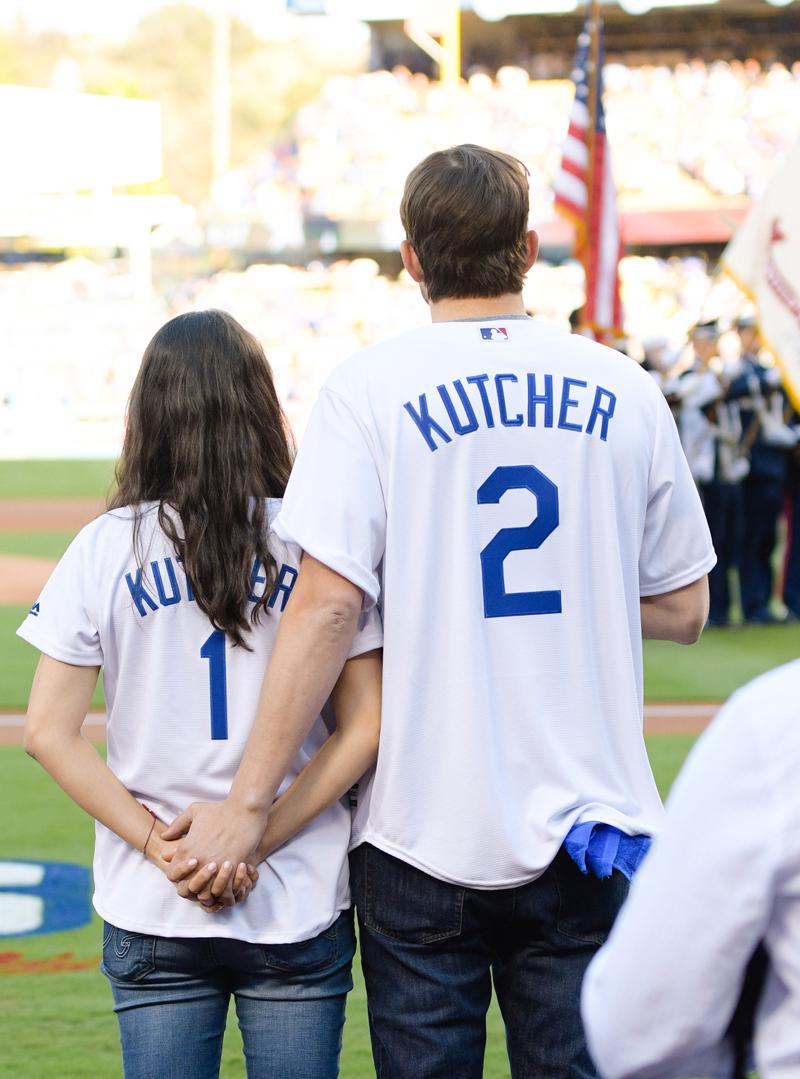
584	187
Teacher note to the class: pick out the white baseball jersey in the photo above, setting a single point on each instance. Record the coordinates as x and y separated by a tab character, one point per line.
508	491
723	875
181	701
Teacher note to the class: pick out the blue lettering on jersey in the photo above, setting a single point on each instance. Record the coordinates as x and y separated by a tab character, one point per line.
501	401
34	610
426	425
545	398
472	402
175	592
255	580
168	589
605	414
189	589
569	402
139	593
471	419
287	575
480	381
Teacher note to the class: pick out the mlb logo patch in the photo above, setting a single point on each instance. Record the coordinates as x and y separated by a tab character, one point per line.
494	333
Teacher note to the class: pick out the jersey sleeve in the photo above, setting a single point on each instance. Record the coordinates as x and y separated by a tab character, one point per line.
369	634
334	507
676	546
61	623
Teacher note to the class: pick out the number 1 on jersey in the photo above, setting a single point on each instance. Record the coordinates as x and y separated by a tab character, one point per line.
214	651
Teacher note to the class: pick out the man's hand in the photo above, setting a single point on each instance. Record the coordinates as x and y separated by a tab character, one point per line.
213	833
229	887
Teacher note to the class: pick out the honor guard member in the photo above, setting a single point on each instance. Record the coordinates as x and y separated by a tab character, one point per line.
711	434
698	387
791	576
762	403
516	500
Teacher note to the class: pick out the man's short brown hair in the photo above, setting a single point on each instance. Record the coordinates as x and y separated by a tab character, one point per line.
465	212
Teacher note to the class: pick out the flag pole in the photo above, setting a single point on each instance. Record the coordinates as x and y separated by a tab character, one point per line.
593	26
451	44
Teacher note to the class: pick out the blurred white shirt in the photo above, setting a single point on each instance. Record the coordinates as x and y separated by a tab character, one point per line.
723	875
698	389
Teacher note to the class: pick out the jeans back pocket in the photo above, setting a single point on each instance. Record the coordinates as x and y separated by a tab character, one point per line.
587	905
308	956
127	956
401	901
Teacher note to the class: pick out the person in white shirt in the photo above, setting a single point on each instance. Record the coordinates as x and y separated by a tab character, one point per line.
699	387
516	500
723	877
177	593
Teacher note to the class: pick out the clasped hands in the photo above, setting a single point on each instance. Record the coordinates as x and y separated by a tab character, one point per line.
209	852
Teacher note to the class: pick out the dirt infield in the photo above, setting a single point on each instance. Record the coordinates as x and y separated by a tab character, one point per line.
664	717
11	728
48	514
22	579
661	718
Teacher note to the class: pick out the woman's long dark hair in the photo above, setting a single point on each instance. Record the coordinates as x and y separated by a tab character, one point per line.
207	437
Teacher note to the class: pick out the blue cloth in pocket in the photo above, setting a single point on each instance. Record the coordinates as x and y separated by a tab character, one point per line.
600	849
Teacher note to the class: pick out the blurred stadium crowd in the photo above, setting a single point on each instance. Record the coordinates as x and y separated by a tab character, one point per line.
76	339
687	135
75	335
679	135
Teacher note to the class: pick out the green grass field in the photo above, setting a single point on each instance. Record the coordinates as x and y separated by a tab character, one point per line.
55	479
35	544
60	1026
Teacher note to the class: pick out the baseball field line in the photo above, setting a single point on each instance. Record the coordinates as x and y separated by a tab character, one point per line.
662	717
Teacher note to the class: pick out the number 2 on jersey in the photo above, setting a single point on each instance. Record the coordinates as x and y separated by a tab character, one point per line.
214	651
497	603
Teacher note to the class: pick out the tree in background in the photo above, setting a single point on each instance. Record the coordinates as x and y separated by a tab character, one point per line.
167	58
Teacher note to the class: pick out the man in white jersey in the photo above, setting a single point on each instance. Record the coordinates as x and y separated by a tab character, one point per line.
517	501
723	876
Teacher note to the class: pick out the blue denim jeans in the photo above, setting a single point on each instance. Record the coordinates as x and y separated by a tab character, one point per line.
171	997
430	951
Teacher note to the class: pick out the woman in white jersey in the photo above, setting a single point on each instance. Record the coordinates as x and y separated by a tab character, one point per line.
176	592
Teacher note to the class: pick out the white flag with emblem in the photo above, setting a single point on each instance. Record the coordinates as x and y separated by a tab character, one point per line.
763	258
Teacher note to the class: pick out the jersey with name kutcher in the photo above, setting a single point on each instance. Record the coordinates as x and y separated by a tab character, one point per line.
507	492
181	701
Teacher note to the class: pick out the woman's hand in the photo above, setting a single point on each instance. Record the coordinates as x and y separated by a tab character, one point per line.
213	887
157	850
214	832
60	698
